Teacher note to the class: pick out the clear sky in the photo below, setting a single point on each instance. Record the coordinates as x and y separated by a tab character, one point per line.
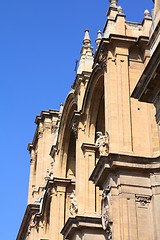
39	43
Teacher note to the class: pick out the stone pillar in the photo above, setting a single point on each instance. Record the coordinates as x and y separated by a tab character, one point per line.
57	207
32	172
117	101
155	179
124	109
53	230
44	136
111	108
89	187
39	169
80	169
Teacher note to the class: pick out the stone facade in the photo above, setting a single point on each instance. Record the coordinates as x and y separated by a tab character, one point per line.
95	163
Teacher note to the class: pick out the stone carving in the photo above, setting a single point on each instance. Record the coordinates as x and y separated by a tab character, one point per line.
47	126
113	3
73	204
147	14
102	60
32	156
143	200
102	143
120	10
40	130
106	220
47	176
32	225
54	128
75	127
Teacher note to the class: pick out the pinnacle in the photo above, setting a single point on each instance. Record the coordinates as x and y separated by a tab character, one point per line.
113	3
86	39
147	14
99	37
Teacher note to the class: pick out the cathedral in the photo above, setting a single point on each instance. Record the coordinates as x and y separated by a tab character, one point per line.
95	162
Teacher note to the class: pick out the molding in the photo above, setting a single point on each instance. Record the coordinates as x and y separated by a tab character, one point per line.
117	162
143	200
89	147
82	223
46	114
148	86
31	210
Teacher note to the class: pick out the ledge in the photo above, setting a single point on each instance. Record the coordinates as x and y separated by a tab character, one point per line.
148	86
30	211
90	147
81	223
114	162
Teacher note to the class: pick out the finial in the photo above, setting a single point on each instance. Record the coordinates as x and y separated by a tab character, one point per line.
113	3
99	37
146	14
86	39
120	9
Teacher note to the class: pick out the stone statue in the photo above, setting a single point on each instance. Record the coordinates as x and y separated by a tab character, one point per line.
73	204
102	143
106	220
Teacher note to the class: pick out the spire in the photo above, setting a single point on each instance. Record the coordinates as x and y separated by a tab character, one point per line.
86	39
86	60
99	37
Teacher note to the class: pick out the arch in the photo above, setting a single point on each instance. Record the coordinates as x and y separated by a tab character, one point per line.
93	104
65	143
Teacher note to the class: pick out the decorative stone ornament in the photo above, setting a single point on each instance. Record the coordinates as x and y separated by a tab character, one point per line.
113	3
86	39
143	200
146	14
106	220
75	127
73	204
102	59
102	143
40	130
120	10
99	37
47	177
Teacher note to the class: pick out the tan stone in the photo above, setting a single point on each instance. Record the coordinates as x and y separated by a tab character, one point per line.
95	164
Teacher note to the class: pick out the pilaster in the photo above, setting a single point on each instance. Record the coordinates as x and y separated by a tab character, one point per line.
132	191
123	92
89	151
58	206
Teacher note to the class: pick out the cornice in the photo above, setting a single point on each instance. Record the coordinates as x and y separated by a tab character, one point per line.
88	147
30	211
148	87
116	162
84	76
80	223
45	114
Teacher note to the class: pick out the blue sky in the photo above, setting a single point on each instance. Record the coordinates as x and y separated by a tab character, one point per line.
39	43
